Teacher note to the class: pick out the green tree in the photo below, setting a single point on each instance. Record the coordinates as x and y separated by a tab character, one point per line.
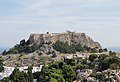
105	49
107	61
1	64
92	57
18	76
70	62
22	42
68	73
79	47
30	78
6	79
15	75
53	80
4	52
101	50
52	73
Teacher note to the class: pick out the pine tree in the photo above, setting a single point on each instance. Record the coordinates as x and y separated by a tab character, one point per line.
30	75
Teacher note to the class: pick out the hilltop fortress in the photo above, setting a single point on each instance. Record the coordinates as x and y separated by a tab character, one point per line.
68	36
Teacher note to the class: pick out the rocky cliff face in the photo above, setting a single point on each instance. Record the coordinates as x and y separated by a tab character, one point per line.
70	37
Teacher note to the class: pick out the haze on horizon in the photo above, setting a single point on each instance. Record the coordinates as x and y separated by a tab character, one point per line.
99	19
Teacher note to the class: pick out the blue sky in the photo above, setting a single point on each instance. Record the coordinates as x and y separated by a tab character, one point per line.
99	19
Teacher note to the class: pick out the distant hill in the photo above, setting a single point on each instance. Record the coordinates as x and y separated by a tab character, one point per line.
114	49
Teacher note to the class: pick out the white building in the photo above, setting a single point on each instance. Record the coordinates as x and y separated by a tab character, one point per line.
8	70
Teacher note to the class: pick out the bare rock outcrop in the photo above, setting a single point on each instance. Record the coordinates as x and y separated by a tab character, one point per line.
70	37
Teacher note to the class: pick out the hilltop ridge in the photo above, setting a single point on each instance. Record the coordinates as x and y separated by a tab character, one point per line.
50	43
68	36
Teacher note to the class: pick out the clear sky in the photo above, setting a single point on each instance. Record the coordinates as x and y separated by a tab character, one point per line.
99	19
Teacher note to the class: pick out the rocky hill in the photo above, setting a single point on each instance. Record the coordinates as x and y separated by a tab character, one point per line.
69	37
49	43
